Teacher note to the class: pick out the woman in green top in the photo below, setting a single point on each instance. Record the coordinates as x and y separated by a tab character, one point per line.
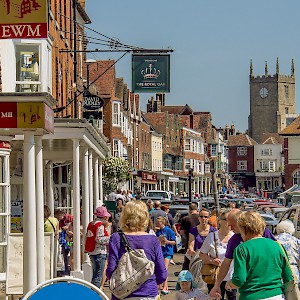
259	263
50	223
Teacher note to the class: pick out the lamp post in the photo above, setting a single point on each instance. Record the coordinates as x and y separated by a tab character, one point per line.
88	63
214	185
191	170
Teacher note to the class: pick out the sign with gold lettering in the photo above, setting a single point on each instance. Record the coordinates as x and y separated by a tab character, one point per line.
23	19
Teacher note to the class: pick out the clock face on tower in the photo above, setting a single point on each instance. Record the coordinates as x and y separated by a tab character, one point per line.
263	92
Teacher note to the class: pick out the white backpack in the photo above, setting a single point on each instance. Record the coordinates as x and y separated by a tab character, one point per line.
133	269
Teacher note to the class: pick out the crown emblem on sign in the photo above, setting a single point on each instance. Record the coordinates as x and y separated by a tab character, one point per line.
150	72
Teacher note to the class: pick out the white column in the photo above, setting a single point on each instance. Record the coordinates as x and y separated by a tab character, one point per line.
39	210
91	194
29	215
49	186
96	183
100	182
76	210
85	194
202	185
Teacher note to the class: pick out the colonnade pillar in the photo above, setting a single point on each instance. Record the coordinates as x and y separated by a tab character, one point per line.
29	214
40	210
76	211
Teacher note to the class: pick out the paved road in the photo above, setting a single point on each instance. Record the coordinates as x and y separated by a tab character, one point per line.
178	258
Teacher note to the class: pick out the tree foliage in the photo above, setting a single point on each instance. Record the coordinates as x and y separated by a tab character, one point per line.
115	170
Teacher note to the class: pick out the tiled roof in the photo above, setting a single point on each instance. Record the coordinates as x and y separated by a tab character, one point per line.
172	109
272	138
293	128
240	140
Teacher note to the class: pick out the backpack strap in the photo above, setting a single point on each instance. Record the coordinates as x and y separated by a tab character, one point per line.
125	241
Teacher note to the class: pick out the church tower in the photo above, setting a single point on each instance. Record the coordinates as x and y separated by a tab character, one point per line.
272	102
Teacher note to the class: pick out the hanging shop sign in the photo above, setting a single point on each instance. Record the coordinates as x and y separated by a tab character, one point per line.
151	73
26	115
92	102
23	19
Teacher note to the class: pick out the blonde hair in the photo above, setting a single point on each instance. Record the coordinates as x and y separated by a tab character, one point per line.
161	219
134	216
252	222
223	213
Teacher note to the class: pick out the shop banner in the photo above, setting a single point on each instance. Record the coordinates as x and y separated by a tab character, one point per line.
26	19
26	115
151	73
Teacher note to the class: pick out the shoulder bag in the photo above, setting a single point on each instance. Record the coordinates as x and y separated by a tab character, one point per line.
133	269
209	271
291	290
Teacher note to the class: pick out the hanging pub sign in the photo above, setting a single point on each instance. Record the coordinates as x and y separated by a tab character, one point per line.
23	19
151	73
92	102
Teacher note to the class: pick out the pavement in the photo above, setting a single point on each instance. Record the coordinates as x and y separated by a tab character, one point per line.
172	280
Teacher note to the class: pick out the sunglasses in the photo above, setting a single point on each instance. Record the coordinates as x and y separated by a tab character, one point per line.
205	217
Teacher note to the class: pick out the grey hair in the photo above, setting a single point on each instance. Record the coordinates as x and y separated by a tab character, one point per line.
285	226
149	201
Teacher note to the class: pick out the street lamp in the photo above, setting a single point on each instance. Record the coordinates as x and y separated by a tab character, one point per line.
191	170
214	184
88	63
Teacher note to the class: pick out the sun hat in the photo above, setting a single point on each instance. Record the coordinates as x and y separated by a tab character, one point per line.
101	211
185	276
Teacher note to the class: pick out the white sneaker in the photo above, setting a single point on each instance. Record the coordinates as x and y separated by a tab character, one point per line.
172	262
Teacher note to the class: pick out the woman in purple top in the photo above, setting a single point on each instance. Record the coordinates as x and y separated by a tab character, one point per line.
133	222
200	232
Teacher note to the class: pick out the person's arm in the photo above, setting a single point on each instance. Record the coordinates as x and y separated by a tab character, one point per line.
216	291
101	238
112	259
160	270
191	244
171	237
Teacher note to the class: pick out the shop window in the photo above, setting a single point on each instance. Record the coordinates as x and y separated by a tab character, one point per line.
62	187
27	68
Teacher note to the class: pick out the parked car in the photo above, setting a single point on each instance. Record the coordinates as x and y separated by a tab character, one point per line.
278	211
210	204
160	194
270	220
293	214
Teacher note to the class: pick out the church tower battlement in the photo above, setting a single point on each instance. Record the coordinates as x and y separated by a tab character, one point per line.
272	101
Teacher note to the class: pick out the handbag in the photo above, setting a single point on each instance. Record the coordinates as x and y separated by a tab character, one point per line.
291	289
209	271
133	269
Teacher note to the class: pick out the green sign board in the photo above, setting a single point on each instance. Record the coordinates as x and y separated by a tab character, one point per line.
151	73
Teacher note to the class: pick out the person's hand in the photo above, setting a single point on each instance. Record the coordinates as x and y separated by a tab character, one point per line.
228	285
191	252
217	262
215	292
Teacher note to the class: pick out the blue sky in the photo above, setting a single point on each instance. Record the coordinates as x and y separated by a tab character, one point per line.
213	42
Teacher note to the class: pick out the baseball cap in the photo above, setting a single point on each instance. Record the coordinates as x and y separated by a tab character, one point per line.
185	276
101	211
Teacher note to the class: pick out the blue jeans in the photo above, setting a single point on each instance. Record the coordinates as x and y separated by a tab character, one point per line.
98	264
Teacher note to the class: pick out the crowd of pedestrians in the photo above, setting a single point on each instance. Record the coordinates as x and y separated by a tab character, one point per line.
246	258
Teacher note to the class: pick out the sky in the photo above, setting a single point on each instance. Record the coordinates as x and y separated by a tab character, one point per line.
213	43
